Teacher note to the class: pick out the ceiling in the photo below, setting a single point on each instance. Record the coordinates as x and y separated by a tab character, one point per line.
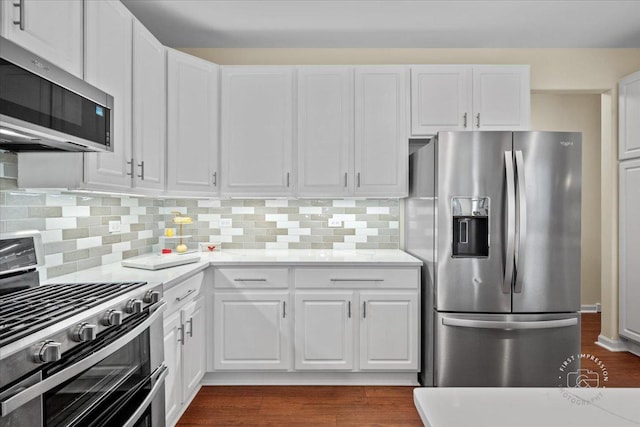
392	23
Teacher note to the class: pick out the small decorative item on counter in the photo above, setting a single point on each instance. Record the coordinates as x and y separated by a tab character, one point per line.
209	246
181	220
168	232
166	251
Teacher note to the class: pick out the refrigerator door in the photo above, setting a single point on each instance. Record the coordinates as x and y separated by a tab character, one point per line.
504	350
548	169
472	170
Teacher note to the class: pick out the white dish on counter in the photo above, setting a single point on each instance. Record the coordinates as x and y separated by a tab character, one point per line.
160	261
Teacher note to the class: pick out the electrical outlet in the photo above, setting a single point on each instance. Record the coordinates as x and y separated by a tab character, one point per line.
225	222
335	222
114	226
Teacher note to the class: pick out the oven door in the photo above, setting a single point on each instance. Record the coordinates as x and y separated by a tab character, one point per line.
115	380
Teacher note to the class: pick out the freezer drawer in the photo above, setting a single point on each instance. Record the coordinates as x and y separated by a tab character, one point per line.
503	350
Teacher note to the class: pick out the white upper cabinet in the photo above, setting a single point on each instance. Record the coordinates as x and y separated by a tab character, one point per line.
52	29
501	97
108	58
192	164
629	117
149	110
381	140
325	131
440	98
469	97
257	131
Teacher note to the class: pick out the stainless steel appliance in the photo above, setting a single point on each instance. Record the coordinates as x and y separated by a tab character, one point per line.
44	108
495	216
80	354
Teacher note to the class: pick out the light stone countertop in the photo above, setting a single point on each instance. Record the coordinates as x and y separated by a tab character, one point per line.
247	257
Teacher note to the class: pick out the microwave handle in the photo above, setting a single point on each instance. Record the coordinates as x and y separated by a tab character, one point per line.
161	374
17	400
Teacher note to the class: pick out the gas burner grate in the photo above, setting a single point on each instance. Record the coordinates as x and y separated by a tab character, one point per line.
26	312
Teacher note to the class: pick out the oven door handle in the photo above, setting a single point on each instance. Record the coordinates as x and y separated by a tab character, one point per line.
17	400
160	374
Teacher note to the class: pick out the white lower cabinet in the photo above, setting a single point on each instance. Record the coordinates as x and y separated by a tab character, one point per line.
184	345
324	330
389	330
251	331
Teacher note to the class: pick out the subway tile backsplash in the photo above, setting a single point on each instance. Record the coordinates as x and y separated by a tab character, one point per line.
75	226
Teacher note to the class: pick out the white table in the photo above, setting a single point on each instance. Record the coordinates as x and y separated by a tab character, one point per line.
528	407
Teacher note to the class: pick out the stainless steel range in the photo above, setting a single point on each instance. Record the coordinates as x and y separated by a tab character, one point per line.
77	354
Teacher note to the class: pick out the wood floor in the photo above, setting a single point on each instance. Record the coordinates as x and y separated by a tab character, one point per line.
355	406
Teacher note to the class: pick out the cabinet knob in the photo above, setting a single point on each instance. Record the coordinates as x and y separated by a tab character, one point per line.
134	306
85	332
112	318
48	352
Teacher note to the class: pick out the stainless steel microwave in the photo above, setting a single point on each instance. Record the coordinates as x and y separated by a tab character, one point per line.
44	108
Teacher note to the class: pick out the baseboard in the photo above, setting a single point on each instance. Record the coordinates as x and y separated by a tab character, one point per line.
632	347
611	345
311	378
591	308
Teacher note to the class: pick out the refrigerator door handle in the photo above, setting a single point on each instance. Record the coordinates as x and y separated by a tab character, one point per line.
511	220
497	324
522	222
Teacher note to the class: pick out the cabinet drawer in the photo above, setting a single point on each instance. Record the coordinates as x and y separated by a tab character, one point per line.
251	278
372	277
177	296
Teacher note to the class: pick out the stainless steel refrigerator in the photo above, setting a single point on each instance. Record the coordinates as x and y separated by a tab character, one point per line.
495	217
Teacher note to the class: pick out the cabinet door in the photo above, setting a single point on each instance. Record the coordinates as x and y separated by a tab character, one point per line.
381	144
440	99
324	330
629	249
173	336
501	97
108	66
52	29
149	109
251	331
629	116
193	321
389	331
192	125
257	128
325	131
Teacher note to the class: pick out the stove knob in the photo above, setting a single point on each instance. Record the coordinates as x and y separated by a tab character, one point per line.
85	332
134	306
152	297
47	352
112	318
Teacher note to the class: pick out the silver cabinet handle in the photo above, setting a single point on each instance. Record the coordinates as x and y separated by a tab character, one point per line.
215	179
141	166
496	324
345	179
522	222
284	309
160	374
356	280
364	309
249	280
181	334
288	176
130	163
465	120
190	322
189	292
478	120
20	21
358	179
19	399
511	222
349	309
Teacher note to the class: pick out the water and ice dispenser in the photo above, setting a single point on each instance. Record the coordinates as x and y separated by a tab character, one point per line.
470	227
